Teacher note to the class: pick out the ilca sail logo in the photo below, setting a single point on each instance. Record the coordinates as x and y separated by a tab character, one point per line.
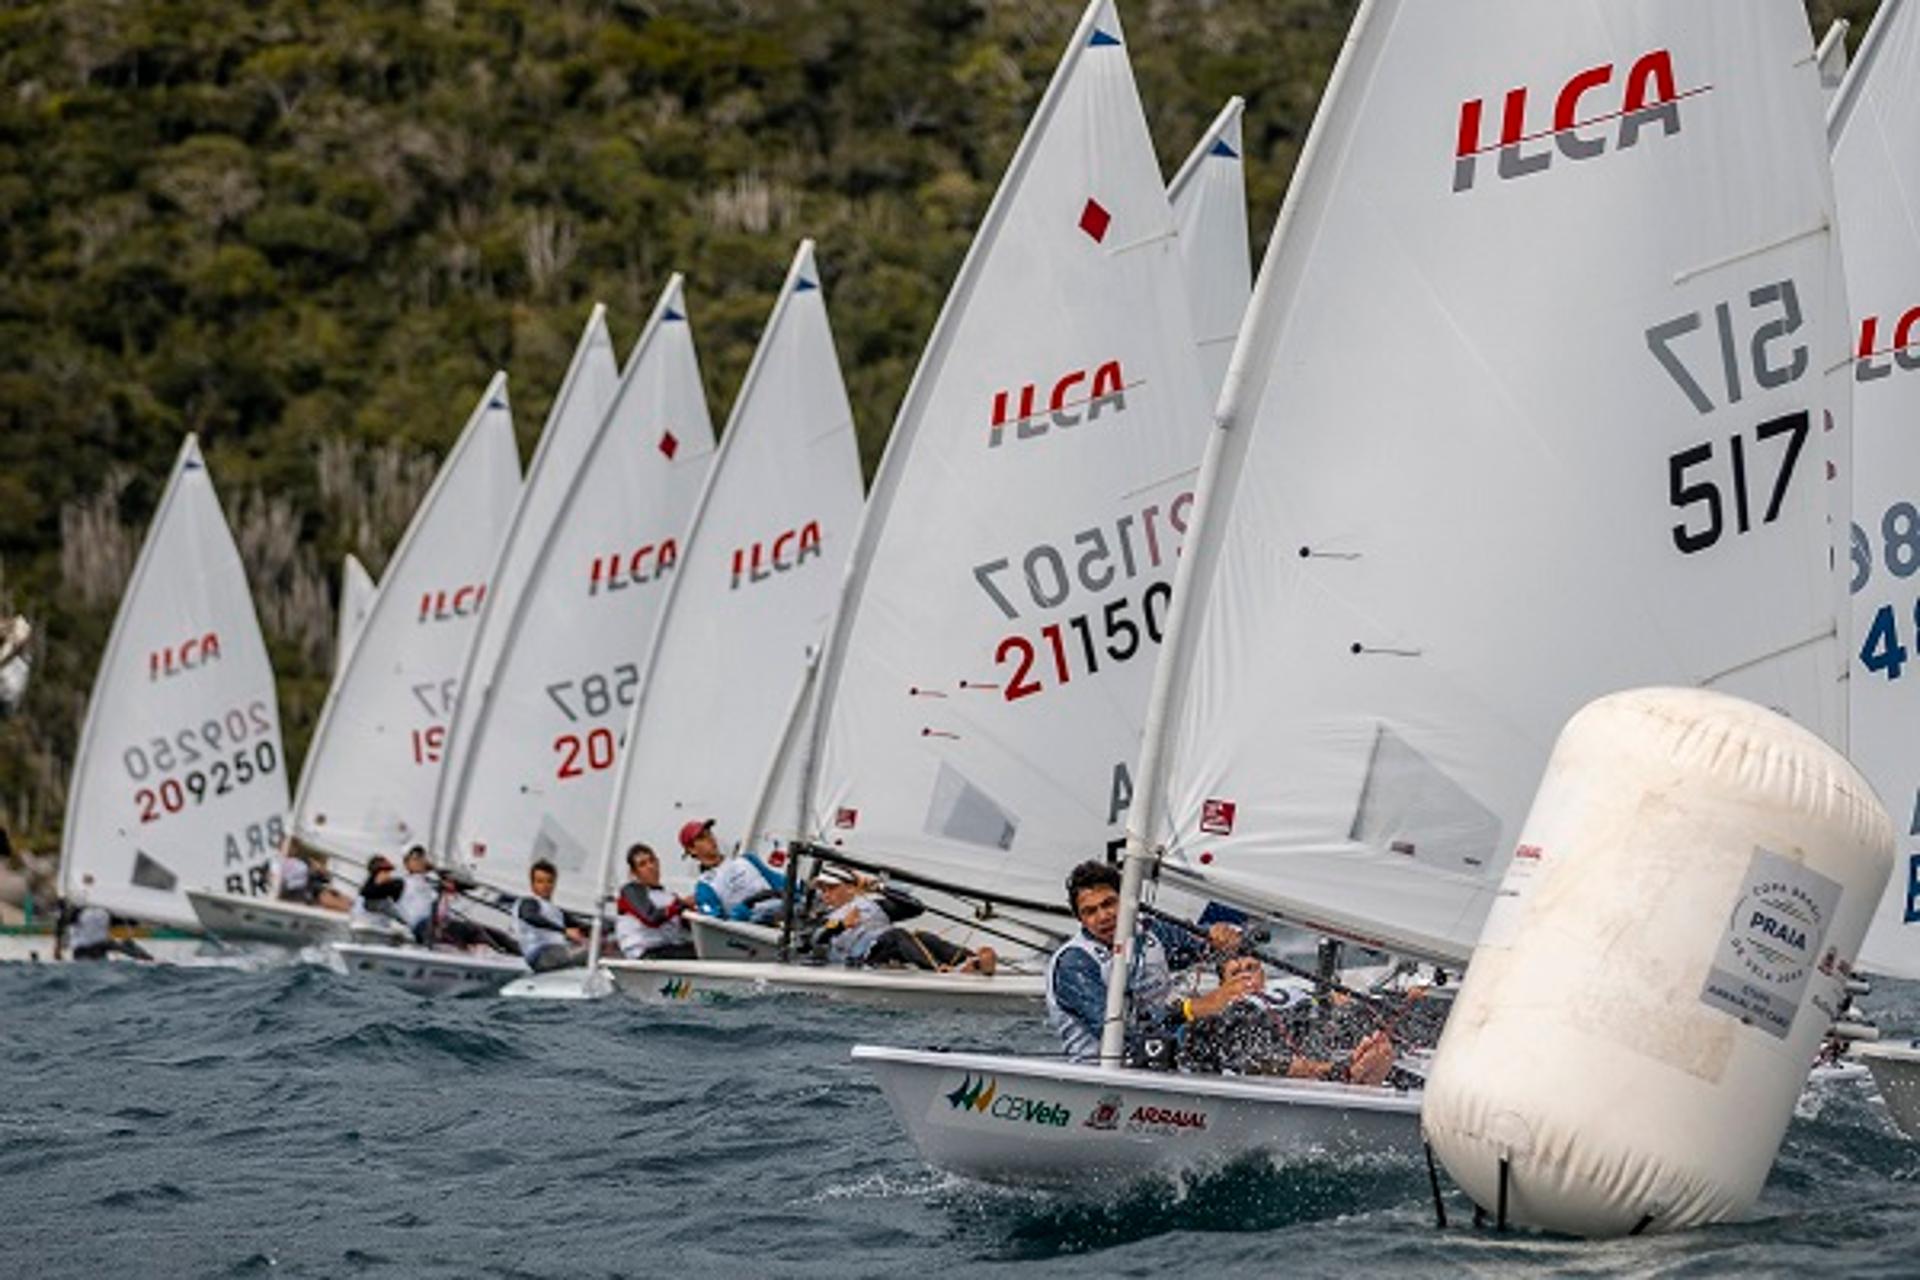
1581	127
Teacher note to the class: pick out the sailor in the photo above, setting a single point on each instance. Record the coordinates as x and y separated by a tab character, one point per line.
546	932
295	876
647	919
88	928
1264	1032
861	928
1077	973
419	894
738	888
378	901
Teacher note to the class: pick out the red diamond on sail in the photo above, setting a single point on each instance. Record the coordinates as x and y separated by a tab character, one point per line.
1094	220
669	445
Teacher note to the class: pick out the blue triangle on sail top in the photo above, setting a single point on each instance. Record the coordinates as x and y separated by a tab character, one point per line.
191	464
803	284
672	315
1100	37
1220	148
496	403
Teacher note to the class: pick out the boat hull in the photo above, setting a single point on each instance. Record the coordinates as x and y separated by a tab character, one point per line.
235	917
717	939
429	973
1896	1074
1037	1121
672	980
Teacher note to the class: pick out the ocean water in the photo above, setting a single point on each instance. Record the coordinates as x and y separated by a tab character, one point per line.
159	1121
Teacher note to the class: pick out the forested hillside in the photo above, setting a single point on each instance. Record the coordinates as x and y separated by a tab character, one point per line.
309	230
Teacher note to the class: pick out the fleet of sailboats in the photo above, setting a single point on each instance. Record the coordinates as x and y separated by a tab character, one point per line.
1277	595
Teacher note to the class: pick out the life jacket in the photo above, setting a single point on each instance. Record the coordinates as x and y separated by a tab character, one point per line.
735	881
373	914
92	927
1147	986
861	921
550	932
636	936
417	899
295	880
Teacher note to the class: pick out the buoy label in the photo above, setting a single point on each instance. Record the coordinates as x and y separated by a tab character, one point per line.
1771	943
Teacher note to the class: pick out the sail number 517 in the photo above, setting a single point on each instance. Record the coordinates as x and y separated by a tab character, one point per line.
1716	484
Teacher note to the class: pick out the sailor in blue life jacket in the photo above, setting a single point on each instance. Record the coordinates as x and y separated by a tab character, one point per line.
1077	973
862	927
1270	1030
547	934
738	888
647	919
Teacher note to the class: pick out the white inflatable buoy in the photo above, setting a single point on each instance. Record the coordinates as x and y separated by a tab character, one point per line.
1671	941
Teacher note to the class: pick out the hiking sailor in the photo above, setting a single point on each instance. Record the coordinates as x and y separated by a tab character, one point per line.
377	906
647	920
738	888
419	892
1077	973
861	928
88	928
546	932
1261	1033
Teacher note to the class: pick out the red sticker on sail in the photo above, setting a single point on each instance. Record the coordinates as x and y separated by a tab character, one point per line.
1216	817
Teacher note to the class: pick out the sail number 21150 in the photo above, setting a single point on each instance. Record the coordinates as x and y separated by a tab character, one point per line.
1716	483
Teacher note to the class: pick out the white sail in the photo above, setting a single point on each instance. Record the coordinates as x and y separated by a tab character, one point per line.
1209	196
180	782
983	688
1875	130
367	785
356	601
1832	53
760	567
1529	407
574	416
546	740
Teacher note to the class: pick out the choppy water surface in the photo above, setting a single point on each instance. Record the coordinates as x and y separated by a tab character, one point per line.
164	1121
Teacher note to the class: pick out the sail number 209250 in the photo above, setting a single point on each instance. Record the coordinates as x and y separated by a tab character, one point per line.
1738	347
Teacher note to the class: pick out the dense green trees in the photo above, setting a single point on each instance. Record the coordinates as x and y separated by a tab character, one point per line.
309	230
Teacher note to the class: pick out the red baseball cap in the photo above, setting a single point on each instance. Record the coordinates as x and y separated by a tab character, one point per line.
693	830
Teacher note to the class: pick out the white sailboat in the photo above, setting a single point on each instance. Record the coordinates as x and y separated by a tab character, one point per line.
574	417
1874	125
1587	453
180	780
762	559
545	740
367	786
1209	198
356	601
982	688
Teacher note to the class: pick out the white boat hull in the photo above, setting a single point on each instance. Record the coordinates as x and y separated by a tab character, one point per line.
1896	1074
669	980
234	917
577	983
430	973
1034	1120
717	939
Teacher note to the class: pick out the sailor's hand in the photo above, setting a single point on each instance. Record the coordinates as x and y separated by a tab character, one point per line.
1223	937
1371	1060
1240	984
